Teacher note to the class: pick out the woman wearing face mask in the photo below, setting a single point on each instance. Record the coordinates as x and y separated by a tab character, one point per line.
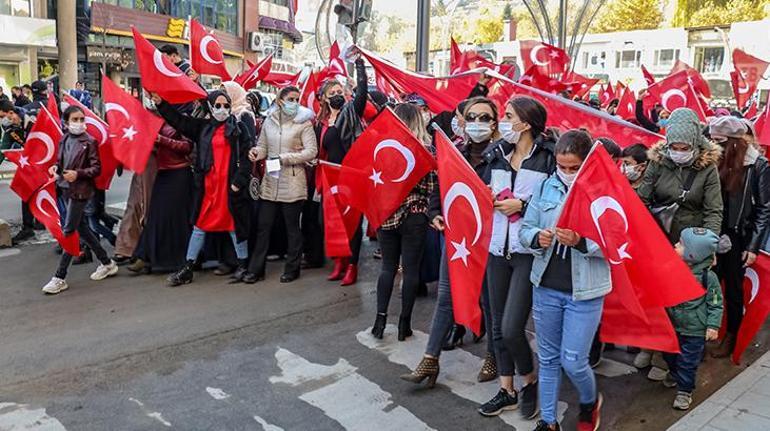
287	142
77	166
659	120
517	165
443	326
337	126
402	238
745	181
565	309
634	163
220	178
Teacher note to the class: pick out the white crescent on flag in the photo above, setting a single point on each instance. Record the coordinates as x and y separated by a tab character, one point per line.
42	196
109	106
204	49
405	153
753	277
157	59
457	190
100	127
49	145
533	56
672	93
601	205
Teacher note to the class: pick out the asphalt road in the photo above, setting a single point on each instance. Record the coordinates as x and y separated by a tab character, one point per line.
129	353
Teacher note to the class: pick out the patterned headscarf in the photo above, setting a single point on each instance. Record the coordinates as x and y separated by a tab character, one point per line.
685	127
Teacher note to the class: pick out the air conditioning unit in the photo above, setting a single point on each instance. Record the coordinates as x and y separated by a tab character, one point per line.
256	42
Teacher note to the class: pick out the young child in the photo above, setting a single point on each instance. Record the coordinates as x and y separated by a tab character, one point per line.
695	321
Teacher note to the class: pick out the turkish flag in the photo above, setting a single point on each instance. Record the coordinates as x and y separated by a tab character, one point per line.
255	74
746	76
336	63
647	274
99	130
696	79
28	178
627	104
456	60
534	77
648	76
382	167
677	91
41	151
752	111
43	207
340	219
548	58
579	84
467	206
309	95
133	129
282	79
462	61
160	76
206	53
53	108
756	294
762	126
607	95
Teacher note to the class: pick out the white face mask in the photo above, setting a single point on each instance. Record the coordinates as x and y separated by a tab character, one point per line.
290	108
76	128
6	121
752	154
220	114
681	158
478	132
509	134
456	129
567	179
631	172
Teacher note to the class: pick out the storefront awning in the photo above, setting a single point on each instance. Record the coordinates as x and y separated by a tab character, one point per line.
285	27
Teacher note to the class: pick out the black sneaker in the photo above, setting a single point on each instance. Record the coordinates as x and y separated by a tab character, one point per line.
529	408
23	235
543	426
501	402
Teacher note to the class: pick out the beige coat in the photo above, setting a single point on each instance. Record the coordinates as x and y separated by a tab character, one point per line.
293	142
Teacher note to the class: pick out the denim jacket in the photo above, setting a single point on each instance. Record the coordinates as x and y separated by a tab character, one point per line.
590	271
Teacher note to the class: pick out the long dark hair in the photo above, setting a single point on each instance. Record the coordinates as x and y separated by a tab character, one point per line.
286	90
731	164
325	111
531	112
575	141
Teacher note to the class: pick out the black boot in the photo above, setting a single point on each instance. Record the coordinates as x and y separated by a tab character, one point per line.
454	338
24	234
404	327
379	325
477	338
183	276
251	278
240	271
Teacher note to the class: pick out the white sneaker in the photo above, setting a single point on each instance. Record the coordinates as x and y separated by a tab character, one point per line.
643	359
55	286
104	271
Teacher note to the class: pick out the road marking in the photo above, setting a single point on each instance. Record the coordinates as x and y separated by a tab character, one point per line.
344	395
217	394
7	252
266	426
459	369
612	368
152	415
22	417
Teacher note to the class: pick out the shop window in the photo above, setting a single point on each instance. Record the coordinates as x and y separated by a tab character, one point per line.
16	7
627	59
709	59
219	14
279	2
666	57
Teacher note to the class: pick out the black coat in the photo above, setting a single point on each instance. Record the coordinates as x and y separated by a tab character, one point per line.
240	135
85	161
747	213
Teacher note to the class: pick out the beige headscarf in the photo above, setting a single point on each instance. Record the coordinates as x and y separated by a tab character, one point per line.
238	97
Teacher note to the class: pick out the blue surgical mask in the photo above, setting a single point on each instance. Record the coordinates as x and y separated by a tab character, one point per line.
290	108
663	122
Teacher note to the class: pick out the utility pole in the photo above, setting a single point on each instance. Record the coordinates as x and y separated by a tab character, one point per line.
562	24
423	35
68	44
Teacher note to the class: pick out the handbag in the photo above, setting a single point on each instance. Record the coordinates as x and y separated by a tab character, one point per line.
257	172
664	214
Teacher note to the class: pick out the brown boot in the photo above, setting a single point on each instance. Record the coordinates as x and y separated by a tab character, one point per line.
725	348
488	369
428	368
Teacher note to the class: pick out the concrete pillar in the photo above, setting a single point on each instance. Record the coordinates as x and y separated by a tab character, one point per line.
68	44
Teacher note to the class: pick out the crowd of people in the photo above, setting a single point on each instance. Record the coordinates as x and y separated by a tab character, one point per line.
233	183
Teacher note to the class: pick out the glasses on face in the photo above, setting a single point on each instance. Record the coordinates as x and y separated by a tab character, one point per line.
222	105
482	117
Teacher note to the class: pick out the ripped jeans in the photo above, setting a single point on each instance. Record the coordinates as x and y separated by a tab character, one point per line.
564	329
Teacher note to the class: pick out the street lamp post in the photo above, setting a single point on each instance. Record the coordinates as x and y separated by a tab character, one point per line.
423	35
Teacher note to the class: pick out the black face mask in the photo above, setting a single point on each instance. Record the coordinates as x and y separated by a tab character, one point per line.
337	102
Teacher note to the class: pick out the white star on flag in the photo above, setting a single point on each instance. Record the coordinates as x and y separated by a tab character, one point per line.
461	252
375	177
23	161
554	54
129	133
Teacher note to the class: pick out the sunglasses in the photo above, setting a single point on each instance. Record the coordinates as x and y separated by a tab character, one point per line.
222	105
483	117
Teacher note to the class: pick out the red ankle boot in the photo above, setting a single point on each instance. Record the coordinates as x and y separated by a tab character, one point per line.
351	275
340	264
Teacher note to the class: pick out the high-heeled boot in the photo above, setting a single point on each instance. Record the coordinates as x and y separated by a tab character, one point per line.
351	275
428	368
488	369
379	325
183	276
340	264
477	338
404	327
454	338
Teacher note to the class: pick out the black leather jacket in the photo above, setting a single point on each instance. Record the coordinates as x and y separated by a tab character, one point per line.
748	214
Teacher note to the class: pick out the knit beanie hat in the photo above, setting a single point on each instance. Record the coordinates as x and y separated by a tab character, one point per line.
699	243
684	127
722	128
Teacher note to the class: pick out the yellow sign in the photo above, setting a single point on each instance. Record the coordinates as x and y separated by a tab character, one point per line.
176	27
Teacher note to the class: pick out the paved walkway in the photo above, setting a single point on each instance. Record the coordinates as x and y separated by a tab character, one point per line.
741	405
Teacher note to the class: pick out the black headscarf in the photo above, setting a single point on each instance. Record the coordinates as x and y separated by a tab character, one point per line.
231	124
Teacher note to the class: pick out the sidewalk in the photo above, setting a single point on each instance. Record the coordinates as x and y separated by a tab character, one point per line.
743	404
7	169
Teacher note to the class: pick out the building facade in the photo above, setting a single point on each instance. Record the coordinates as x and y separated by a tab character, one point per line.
27	41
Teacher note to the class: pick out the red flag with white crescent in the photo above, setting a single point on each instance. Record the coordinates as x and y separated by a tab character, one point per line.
28	177
160	76
43	207
100	131
647	274
256	73
206	53
648	76
41	151
677	91
699	84
133	129
627	104
53	108
467	208
549	59
340	219
756	296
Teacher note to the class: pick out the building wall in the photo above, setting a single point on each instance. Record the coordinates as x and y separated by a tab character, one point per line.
22	41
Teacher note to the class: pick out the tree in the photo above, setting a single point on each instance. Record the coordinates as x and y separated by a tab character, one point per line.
626	15
507	12
732	11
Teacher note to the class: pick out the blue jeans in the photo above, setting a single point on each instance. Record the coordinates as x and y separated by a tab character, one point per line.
564	329
198	239
683	367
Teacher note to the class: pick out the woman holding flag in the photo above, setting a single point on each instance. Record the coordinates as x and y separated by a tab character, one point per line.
566	307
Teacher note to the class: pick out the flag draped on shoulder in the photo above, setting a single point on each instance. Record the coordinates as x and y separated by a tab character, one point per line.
647	274
382	167
467	209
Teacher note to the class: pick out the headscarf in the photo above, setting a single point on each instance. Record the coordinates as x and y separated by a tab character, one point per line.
684	126
238	97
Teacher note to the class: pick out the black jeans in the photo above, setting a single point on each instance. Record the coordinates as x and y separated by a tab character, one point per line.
731	273
404	244
27	219
313	233
268	211
510	294
76	221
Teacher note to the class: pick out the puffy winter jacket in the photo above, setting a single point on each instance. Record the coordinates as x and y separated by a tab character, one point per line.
692	318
